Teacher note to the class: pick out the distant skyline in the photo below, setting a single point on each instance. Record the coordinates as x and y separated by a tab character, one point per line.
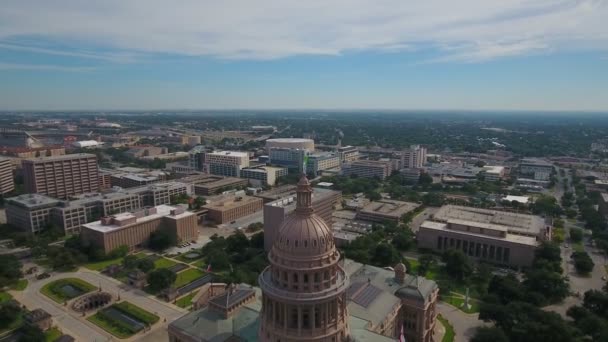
356	54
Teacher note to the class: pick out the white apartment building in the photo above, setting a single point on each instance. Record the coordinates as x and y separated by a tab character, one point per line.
226	163
413	157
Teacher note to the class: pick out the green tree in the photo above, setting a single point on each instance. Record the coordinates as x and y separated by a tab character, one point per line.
385	255
457	264
426	261
218	259
236	242
160	279
576	235
10	270
582	262
404	240
145	265
129	262
489	334
425	179
30	333
9	311
257	240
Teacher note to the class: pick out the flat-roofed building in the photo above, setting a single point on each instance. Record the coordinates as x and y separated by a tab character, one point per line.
226	163
291	158
160	193
318	162
493	173
263	175
386	210
412	175
291	143
324	202
134	229
494	236
348	153
368	169
536	169
227	208
7	182
61	176
413	157
207	185
30	212
137	178
70	215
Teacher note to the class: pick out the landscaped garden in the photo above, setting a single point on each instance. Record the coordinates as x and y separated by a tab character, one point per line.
189	257
101	265
65	289
186	301
187	277
163	263
449	329
123	319
52	335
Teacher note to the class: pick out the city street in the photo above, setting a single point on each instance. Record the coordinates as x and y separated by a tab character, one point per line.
73	324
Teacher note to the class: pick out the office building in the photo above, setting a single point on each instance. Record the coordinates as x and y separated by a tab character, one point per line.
348	154
227	208
292	159
191	140
291	143
385	210
321	161
134	177
134	229
7	180
226	163
141	151
324	202
493	173
197	157
498	237
368	169
411	175
413	157
70	215
206	185
535	169
61	176
160	193
30	212
263	175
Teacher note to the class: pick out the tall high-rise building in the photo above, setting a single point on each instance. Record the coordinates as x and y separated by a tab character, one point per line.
197	157
7	183
61	176
413	157
304	288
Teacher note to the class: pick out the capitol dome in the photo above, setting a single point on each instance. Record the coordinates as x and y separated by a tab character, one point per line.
304	288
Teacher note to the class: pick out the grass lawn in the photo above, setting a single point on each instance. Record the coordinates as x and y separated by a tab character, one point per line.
4	297
578	247
187	276
53	289
100	265
182	257
458	302
137	312
101	321
19	285
186	301
52	334
200	264
449	329
163	263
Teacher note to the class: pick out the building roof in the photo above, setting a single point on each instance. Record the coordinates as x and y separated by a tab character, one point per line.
513	238
61	157
389	207
520	199
494	169
513	222
33	201
230	153
413	287
369	302
290	140
229	201
535	162
161	211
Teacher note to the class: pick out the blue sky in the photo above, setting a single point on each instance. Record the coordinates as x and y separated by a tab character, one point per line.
492	54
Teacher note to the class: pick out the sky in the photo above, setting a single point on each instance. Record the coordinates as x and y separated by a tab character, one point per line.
331	54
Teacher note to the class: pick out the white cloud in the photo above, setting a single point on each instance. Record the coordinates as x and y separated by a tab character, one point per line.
465	30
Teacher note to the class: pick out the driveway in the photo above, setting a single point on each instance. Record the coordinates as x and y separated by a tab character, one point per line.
464	324
72	323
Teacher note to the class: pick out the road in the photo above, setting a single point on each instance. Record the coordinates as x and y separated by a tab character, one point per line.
72	323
